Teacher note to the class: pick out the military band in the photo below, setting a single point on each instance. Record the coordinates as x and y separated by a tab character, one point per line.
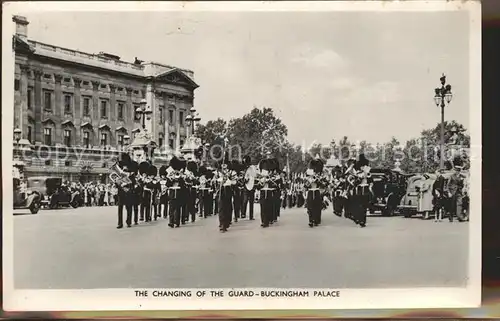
185	189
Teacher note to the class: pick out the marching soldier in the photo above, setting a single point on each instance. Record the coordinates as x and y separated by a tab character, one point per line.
163	197
315	182
149	188
248	197
124	192
338	187
361	195
191	189
155	187
266	189
204	192
143	178
225	196
237	170
175	182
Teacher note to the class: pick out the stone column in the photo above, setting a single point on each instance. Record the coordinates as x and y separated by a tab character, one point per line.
23	112
150	98
58	108
113	114
166	126
77	116
38	132
95	112
129	110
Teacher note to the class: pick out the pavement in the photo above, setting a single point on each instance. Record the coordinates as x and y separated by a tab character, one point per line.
82	249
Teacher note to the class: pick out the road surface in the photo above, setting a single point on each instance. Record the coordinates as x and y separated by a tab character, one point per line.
81	248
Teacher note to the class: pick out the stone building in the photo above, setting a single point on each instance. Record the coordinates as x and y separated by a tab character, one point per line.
76	109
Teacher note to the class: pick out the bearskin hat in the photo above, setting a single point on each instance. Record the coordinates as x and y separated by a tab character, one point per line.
153	170
133	167
265	164
202	170
163	170
209	174
144	168
176	163
236	165
362	161
316	165
124	160
275	164
247	161
192	166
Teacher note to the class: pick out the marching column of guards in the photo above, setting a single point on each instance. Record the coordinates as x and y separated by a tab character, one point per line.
186	189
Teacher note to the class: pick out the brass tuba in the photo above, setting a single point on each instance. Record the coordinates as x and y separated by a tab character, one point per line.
119	177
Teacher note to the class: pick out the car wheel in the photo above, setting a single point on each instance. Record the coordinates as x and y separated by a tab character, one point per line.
34	207
74	204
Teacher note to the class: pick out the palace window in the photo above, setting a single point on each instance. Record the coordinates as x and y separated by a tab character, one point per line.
181	143
47	133
16	84
104	139
170	116
120	110
120	140
67	137
47	100
181	118
67	104
171	143
67	163
86	139
30	101
161	114
104	109
86	106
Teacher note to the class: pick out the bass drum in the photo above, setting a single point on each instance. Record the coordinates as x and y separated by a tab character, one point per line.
250	175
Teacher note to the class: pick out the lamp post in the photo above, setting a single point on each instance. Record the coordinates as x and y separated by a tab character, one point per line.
192	119
126	143
145	111
17	138
442	98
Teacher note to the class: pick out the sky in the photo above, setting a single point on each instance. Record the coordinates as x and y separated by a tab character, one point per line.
365	75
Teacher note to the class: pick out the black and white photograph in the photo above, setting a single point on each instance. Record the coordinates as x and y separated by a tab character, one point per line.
241	155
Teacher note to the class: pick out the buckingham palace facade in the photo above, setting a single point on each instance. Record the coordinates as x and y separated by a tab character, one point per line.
72	107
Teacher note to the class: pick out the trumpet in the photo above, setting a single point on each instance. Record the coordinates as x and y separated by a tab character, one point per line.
119	177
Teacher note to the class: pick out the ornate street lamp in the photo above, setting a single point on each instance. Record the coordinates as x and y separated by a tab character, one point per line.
17	138
144	111
442	98
192	119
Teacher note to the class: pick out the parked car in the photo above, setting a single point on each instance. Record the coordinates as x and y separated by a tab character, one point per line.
25	198
53	193
388	189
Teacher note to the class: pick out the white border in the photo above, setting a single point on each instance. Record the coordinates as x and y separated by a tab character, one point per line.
125	299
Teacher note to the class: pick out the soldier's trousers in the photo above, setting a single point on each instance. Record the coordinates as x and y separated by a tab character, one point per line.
205	202
338	205
358	206
277	204
123	202
226	210
191	203
174	207
146	206
266	206
237	202
314	205
248	198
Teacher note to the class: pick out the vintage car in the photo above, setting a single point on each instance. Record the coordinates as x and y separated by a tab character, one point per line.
53	193
25	198
388	189
409	202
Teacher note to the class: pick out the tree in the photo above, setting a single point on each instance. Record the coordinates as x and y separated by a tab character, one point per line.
211	133
213	129
258	132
